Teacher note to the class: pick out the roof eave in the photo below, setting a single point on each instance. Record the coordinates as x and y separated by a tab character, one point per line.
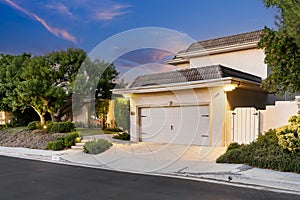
218	50
189	85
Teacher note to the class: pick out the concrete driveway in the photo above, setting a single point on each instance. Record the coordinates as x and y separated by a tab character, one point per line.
150	157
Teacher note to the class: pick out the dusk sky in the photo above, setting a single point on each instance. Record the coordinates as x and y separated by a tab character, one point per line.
40	26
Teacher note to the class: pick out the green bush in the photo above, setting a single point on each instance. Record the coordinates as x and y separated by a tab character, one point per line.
49	145
58	145
114	129
265	152
62	127
70	139
97	146
34	125
122	136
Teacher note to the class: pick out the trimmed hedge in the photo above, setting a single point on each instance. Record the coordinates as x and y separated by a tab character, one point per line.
56	145
61	142
70	139
62	127
97	146
265	152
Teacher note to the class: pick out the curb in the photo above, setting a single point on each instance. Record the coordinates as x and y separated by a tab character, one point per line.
235	178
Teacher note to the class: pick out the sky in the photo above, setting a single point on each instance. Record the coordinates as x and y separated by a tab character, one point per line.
41	26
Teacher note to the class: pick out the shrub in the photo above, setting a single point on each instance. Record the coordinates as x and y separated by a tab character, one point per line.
62	127
97	146
289	137
58	145
70	139
49	145
122	136
265	152
34	125
114	129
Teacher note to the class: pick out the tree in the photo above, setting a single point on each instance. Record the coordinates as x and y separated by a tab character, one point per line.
66	63
288	18
283	59
282	48
44	83
10	71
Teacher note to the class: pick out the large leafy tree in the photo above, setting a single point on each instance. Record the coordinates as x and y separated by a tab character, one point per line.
43	83
95	80
282	48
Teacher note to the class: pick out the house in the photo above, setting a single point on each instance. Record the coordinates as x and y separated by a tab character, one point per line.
5	117
212	99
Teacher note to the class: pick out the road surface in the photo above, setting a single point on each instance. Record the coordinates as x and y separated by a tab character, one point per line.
27	179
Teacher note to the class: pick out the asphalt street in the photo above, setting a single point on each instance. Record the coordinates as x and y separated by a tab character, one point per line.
27	179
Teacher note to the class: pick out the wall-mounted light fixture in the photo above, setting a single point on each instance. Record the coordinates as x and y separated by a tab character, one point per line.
229	87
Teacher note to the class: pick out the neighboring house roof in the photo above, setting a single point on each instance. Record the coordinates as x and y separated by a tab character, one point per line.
227	41
193	74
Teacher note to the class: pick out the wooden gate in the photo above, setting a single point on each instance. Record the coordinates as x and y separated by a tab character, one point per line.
245	125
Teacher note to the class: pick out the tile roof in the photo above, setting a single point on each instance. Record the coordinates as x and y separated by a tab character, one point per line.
192	74
243	38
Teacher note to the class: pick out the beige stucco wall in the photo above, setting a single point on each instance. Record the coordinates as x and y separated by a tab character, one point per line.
277	115
250	61
214	97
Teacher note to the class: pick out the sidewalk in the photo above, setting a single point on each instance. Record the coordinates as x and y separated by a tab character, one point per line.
164	159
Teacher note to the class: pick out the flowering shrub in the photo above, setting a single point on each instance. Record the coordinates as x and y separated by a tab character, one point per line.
289	135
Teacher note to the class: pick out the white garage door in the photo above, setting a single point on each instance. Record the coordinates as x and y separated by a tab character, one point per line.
177	125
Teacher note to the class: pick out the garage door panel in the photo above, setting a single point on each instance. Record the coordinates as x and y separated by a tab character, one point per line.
178	125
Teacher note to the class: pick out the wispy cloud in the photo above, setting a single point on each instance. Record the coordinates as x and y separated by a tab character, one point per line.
56	31
59	7
110	13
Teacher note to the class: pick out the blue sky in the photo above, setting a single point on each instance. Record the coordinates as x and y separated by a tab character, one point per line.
40	26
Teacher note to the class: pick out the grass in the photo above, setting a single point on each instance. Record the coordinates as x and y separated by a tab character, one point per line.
89	131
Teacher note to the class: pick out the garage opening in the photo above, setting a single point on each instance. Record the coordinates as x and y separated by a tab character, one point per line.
176	125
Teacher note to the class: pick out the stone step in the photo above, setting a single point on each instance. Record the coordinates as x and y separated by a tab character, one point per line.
87	140
77	147
79	144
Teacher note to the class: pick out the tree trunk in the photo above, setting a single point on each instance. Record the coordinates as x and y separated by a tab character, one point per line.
42	119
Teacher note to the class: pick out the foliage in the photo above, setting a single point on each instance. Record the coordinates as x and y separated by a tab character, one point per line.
122	113
288	18
43	83
283	58
70	139
289	135
265	152
97	146
62	127
34	125
102	108
57	145
122	136
114	129
282	48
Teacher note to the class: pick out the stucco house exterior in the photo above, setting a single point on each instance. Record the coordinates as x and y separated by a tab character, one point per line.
5	117
212	99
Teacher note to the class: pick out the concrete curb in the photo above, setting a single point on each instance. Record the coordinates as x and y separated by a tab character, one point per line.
234	177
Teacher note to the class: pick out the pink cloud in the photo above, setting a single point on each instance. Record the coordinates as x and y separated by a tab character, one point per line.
56	31
112	12
61	8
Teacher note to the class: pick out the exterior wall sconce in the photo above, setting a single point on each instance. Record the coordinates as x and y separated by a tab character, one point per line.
229	87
